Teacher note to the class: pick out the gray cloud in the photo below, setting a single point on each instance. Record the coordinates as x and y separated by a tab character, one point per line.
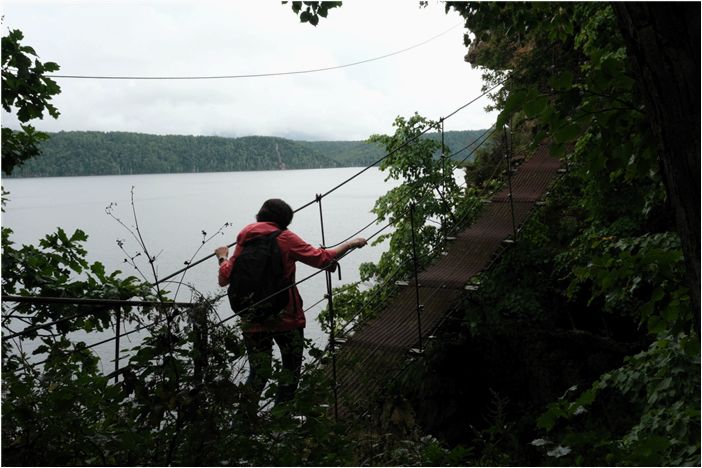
217	37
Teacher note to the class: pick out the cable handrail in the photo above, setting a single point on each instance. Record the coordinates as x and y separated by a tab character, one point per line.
89	301
295	284
115	302
454	227
353	321
401	146
428	255
81	301
346	181
127	303
375	221
121	335
338	186
344	330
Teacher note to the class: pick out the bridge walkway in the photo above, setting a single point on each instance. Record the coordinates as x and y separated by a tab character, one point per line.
369	358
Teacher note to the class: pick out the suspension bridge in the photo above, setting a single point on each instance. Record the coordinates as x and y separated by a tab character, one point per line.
369	353
367	361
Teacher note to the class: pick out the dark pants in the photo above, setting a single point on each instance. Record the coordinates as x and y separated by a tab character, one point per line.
259	349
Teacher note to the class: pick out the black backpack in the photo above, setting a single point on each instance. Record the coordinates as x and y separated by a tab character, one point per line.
257	276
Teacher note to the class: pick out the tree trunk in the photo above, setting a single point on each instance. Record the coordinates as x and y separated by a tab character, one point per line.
663	43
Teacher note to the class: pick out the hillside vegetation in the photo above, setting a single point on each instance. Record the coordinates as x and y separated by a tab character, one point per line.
116	153
98	153
361	153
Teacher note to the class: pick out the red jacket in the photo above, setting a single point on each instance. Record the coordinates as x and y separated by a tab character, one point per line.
292	249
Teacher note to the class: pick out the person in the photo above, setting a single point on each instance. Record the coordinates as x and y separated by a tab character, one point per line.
286	330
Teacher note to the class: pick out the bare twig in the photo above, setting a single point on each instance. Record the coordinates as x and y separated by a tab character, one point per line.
130	259
142	243
205	240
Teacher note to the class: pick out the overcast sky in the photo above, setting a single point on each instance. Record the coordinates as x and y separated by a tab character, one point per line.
205	38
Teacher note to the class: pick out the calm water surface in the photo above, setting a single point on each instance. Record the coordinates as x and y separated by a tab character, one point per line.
174	209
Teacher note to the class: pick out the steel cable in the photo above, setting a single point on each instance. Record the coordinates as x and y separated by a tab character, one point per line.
375	221
253	75
406	365
160	304
402	370
107	340
341	184
424	257
78	301
398	267
403	145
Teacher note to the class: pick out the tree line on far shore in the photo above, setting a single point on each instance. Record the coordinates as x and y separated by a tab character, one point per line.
86	153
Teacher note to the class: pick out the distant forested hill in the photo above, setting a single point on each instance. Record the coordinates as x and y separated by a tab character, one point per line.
110	153
98	153
347	153
359	153
456	141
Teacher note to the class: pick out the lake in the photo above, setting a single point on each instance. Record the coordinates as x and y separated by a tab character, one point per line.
173	210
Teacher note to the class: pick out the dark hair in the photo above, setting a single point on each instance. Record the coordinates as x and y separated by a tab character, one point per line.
275	211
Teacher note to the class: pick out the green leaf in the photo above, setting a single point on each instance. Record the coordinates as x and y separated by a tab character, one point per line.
567	134
562	82
99	270
305	16
548	419
515	101
535	106
557	150
587	397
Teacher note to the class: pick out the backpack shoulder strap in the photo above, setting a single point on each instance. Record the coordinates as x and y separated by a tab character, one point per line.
272	235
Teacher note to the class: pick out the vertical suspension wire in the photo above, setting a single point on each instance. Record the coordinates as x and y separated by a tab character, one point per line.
371	448
416	277
508	157
443	169
198	319
117	338
330	302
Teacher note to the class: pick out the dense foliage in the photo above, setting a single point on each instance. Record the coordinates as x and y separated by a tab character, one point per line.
27	91
174	403
570	80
